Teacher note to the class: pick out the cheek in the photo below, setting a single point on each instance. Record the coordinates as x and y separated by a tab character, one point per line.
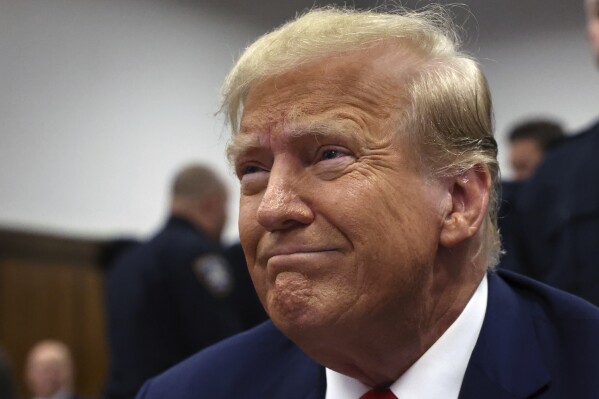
404	224
250	233
249	229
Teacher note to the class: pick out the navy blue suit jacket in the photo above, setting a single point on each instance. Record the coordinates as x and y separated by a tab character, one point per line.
536	342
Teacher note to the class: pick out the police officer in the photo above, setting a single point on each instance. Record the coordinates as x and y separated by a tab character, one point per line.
169	297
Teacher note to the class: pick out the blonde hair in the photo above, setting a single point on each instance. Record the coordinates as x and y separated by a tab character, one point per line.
449	114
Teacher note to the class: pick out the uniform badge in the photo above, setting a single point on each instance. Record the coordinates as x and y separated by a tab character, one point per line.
214	273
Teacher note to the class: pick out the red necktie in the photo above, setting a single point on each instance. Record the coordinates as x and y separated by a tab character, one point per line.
379	394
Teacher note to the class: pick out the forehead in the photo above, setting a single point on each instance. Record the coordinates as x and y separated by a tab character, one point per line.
365	82
358	89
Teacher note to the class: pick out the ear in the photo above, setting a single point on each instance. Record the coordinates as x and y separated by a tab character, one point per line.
469	200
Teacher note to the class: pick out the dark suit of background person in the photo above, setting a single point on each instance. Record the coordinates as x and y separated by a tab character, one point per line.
556	237
168	298
244	299
367	168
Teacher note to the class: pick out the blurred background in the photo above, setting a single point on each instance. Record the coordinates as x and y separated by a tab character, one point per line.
101	101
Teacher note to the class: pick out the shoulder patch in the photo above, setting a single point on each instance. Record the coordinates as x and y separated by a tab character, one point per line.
214	273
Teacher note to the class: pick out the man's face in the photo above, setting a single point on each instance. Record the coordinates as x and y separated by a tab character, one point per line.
525	156
45	375
338	223
592	11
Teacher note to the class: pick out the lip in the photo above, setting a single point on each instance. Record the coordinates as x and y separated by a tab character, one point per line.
305	262
294	250
297	250
299	255
295	257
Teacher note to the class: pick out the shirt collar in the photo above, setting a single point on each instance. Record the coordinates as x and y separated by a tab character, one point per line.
440	370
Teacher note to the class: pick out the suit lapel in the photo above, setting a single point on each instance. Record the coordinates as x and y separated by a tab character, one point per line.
297	377
320	388
507	361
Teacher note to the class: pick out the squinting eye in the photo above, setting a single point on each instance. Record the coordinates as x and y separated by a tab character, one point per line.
331	154
249	169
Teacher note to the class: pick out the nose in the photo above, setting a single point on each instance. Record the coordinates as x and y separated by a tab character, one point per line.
283	205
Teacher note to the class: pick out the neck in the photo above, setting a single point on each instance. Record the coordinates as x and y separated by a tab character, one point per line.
198	222
399	343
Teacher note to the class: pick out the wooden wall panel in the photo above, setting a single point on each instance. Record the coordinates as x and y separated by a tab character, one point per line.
52	287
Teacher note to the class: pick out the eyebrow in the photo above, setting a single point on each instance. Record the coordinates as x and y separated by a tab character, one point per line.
242	143
322	128
342	128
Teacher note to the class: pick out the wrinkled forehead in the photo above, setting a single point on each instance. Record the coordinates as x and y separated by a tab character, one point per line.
352	92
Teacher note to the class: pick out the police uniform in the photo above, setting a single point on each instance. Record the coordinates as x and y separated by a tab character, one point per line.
166	299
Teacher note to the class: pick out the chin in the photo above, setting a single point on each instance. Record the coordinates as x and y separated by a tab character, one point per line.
303	307
296	313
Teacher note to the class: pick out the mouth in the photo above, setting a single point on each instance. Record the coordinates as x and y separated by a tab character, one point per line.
298	251
300	254
303	261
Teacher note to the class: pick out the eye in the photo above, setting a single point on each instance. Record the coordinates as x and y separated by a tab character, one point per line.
331	153
246	169
249	169
253	178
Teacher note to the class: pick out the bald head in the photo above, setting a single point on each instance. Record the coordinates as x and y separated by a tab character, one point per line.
49	369
199	195
194	181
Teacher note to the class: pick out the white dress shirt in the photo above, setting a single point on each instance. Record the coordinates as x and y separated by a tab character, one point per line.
439	371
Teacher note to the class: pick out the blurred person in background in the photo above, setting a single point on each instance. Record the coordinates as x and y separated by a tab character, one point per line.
49	371
169	297
528	142
556	236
